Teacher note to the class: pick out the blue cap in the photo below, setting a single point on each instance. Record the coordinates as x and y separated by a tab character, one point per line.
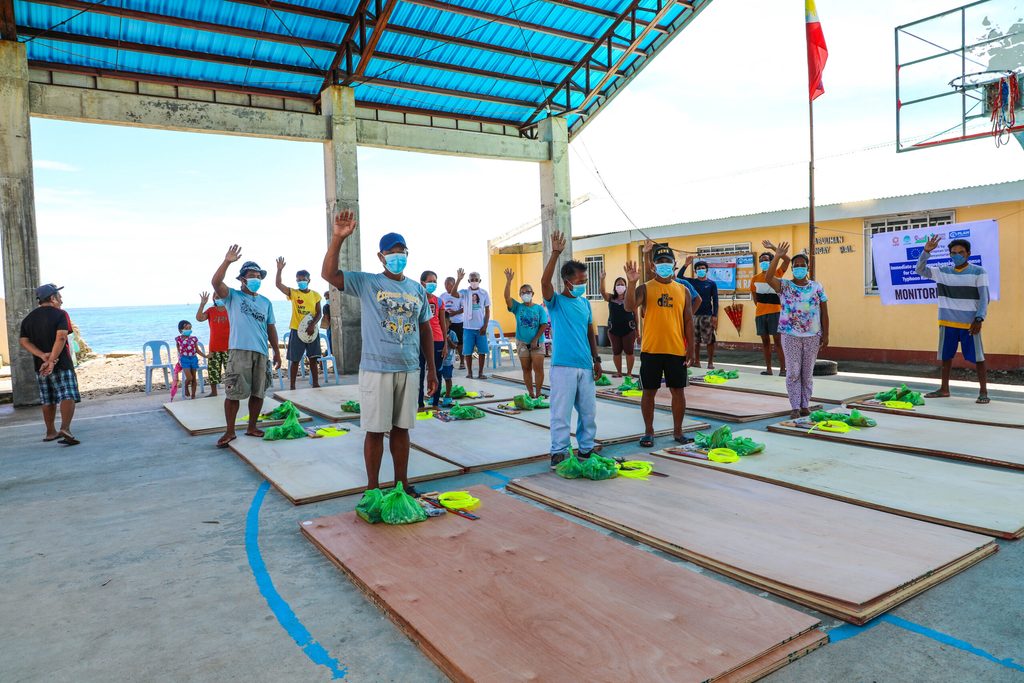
390	240
44	292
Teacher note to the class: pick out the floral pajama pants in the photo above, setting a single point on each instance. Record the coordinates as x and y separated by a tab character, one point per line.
800	352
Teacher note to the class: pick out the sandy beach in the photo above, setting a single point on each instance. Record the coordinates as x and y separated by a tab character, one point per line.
112	374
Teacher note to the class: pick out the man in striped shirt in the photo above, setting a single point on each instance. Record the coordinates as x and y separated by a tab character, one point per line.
963	304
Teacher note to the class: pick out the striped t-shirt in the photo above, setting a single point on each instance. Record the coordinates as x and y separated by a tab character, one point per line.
963	292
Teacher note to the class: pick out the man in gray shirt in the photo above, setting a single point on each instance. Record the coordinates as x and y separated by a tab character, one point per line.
395	328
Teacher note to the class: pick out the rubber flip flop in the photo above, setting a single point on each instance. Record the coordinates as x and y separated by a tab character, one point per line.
765	372
67	439
983	400
221	443
683	439
51	438
936	394
647	441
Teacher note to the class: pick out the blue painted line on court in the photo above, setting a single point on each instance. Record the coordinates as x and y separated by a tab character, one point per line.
498	475
316	652
847	631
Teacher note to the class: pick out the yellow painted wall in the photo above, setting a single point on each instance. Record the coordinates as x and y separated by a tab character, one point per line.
858	320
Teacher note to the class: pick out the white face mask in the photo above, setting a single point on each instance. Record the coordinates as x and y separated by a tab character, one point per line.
474	285
620	289
527	297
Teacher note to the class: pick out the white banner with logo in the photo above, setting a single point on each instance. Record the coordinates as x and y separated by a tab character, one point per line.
895	257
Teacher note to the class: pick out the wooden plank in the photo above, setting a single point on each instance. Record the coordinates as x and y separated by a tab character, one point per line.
206	415
957	409
326	401
309	470
978	499
729	406
999	446
826	390
849	561
542	592
616	422
491	441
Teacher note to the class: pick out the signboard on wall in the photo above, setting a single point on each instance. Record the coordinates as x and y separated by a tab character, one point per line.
895	256
732	273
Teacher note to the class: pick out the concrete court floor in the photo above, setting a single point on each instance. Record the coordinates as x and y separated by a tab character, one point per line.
145	554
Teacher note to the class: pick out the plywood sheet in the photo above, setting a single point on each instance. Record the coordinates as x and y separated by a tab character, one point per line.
491	441
826	390
849	561
324	402
616	422
979	499
1000	446
206	415
733	406
957	409
308	470
542	592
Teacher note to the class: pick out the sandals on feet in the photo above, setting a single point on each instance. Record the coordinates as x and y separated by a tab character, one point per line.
223	441
647	441
67	439
983	399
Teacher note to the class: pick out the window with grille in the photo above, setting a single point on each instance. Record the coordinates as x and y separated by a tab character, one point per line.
896	223
595	266
724	249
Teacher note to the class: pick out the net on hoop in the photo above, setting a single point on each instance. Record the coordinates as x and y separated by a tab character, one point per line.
1002	97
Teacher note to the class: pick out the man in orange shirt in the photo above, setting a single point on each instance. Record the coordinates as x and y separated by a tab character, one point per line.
220	328
667	313
767	308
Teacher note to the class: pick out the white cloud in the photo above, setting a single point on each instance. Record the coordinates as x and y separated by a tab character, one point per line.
50	165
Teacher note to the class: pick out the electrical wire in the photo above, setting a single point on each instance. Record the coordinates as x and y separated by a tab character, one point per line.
61	23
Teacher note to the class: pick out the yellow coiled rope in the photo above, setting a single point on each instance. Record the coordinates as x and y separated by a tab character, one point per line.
635	469
458	500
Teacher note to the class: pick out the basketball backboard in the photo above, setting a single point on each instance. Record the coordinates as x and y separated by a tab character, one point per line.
959	75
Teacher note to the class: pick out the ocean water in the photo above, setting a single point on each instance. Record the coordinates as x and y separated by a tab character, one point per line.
127	328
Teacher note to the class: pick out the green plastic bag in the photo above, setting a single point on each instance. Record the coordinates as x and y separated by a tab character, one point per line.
350	406
744	445
855	418
458	391
724	374
398	507
524	402
570	468
368	507
901	393
604	381
723	438
284	411
597	468
465	412
628	384
289	429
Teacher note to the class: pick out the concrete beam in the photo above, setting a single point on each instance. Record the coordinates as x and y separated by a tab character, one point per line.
341	184
555	199
17	214
451	142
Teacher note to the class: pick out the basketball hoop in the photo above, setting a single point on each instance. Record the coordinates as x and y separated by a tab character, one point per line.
1002	97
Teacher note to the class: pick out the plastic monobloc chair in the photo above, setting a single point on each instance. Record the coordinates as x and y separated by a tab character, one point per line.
157	351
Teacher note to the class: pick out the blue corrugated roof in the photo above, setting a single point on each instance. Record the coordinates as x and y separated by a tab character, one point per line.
496	60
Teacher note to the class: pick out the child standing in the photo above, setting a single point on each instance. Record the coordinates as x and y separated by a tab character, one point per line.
188	356
448	367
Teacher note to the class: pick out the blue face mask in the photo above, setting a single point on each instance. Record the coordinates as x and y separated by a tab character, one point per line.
578	290
958	259
701	272
219	303
395	263
664	270
764	266
799	272
253	283
186	333
431	286
303	285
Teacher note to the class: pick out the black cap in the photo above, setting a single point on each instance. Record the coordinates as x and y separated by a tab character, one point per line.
44	292
662	251
251	265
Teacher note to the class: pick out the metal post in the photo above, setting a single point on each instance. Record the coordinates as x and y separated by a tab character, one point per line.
810	219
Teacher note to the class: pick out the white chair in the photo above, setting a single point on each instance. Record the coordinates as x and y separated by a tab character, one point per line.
203	367
158	350
325	357
500	343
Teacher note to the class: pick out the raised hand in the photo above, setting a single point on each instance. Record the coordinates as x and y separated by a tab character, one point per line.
689	259
509	274
632	271
557	242
782	249
648	246
234	253
204	297
344	224
460	273
767	244
933	242
280	263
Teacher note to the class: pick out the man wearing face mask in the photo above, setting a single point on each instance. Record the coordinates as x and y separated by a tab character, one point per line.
439	330
304	302
253	330
665	307
395	331
963	306
705	320
217	348
767	308
575	364
476	314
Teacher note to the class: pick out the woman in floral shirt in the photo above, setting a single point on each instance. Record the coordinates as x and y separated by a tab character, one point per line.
803	326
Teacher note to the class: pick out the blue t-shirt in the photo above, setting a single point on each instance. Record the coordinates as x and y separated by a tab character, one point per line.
570	331
708	292
453	340
529	319
392	311
249	316
689	288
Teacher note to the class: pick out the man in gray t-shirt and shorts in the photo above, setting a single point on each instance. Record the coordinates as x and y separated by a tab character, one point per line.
395	328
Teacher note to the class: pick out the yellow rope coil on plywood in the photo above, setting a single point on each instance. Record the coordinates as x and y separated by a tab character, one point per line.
635	469
458	500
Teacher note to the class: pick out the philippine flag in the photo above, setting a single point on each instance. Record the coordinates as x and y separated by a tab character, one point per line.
817	51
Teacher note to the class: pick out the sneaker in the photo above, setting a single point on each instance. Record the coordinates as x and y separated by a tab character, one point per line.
411	490
584	456
556	458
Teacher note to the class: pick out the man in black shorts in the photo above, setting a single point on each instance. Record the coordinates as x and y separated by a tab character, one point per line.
665	307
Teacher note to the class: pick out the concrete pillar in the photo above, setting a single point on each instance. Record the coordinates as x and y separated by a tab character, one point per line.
555	200
341	176
17	214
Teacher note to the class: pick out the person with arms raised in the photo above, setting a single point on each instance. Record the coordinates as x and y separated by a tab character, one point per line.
395	331
253	331
220	329
476	315
305	303
767	308
705	316
531	319
621	325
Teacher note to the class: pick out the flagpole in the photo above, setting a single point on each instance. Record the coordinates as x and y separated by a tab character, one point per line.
810	200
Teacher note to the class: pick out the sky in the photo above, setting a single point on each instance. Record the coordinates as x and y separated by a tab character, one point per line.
715	126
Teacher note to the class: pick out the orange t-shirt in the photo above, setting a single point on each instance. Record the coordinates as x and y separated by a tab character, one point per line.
663	318
220	328
766	299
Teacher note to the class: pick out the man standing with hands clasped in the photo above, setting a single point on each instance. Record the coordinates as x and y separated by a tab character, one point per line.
963	305
395	331
575	364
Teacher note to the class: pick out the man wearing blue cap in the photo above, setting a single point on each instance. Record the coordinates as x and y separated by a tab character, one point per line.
44	334
395	331
253	329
